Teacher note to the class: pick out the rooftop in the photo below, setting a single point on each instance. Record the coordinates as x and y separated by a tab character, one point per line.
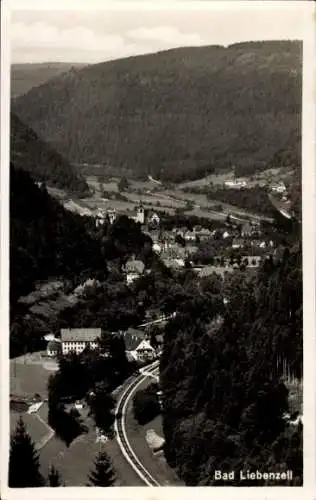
53	345
135	266
133	338
80	334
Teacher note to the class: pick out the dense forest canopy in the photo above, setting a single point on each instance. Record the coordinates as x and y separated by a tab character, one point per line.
45	239
34	155
177	114
224	398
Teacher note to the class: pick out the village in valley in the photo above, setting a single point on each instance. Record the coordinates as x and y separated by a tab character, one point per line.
228	244
156	299
242	242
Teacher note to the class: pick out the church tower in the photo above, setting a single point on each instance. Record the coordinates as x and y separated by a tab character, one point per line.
140	215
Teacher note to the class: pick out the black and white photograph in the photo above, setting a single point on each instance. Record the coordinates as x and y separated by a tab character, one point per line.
156	178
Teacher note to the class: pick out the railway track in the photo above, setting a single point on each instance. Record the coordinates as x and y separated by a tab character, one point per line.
120	429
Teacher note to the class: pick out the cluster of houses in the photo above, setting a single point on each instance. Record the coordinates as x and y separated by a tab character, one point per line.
150	218
137	343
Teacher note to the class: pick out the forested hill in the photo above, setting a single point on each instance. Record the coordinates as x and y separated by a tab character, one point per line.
176	114
45	239
223	395
31	153
29	75
49	244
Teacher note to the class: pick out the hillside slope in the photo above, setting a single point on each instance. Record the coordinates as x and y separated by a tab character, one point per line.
45	239
223	388
175	114
32	154
29	75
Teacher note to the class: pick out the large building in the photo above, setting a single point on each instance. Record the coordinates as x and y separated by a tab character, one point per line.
77	339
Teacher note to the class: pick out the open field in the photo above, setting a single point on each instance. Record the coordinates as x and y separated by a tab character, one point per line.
94	182
269	176
29	375
156	197
127	206
28	379
205	181
161	198
35	428
111	183
75	462
207	214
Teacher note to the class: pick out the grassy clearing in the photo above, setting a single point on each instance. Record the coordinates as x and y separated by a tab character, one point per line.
111	184
207	214
75	462
28	379
205	181
162	199
36	429
263	178
47	455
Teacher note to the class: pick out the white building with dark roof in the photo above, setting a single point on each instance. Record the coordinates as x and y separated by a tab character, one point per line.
138	348
77	339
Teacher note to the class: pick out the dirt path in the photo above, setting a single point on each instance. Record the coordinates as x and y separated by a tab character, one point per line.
40	444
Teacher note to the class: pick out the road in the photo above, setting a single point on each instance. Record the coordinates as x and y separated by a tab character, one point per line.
120	429
159	320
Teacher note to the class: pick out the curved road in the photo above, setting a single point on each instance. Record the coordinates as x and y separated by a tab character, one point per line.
120	429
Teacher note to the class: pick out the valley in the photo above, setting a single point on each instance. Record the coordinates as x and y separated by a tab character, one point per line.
156	310
187	198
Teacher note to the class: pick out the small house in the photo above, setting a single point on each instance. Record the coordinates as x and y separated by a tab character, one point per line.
137	347
134	269
53	348
190	236
238	243
246	229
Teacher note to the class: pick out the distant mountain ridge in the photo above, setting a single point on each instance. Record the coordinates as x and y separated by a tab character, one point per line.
32	154
176	114
25	76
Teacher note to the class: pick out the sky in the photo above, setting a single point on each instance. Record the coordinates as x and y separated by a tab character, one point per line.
101	34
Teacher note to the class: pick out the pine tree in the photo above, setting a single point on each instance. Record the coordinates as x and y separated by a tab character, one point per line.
103	473
54	477
24	463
